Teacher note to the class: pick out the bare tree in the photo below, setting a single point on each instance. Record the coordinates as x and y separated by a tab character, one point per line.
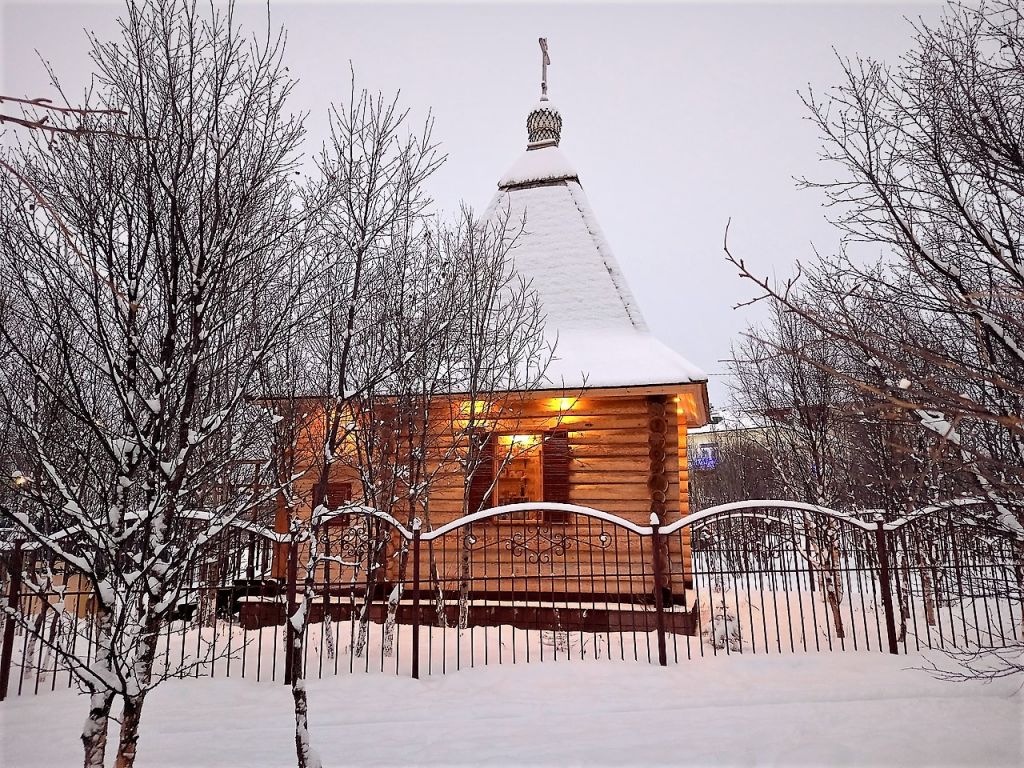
929	164
38	115
372	172
149	295
801	406
738	467
443	317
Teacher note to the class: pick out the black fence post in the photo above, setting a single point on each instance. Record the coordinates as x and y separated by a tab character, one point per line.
884	580
250	566
292	607
416	526
659	577
13	601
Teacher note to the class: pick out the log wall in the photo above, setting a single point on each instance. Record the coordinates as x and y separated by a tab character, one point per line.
626	456
623	458
609	457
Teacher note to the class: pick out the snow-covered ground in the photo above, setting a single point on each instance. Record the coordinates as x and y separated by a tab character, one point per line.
813	709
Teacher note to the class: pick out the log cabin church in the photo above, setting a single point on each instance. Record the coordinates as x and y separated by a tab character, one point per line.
626	399
607	428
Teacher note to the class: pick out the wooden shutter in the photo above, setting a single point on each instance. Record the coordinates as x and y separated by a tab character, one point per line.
483	477
338	494
556	472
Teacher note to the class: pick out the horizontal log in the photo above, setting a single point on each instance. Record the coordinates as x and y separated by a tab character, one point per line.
606	450
602	497
580	477
611	490
572	421
608	436
610	464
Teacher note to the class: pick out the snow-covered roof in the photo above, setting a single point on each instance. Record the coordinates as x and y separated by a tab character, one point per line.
564	252
602	339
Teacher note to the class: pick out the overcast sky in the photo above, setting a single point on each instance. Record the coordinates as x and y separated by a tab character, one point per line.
677	117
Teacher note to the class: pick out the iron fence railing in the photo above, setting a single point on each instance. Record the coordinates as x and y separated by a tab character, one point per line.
502	587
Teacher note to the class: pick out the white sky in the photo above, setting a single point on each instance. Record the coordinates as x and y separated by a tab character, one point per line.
678	116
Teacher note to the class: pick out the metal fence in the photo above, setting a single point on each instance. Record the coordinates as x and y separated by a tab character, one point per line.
549	582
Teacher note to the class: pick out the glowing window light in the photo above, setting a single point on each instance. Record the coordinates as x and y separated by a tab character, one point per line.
518	441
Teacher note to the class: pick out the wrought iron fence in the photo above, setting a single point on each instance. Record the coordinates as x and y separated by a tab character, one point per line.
561	583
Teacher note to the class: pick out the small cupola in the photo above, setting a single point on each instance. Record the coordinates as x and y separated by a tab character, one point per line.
544	123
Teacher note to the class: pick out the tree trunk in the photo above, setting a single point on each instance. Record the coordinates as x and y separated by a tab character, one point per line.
393	600
903	595
834	594
927	589
131	716
465	577
826	557
306	756
48	663
392	619
27	664
376	554
440	604
94	732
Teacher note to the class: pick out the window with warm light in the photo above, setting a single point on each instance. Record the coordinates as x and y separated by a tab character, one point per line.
522	469
519	469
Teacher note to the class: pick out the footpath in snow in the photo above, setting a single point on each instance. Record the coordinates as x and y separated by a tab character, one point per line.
850	709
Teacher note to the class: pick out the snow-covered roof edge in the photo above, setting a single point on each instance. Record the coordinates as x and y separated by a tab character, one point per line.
727	420
538	165
607	256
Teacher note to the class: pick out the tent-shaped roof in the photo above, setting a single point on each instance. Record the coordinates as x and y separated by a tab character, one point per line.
602	339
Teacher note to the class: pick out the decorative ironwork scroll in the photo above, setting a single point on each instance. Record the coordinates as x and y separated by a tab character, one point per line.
538	543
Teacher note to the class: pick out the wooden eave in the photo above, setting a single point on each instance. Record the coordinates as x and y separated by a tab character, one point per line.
693	396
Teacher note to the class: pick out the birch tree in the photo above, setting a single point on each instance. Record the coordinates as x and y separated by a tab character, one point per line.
430	310
371	174
149	294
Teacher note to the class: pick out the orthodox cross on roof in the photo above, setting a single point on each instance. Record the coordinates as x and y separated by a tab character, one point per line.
545	60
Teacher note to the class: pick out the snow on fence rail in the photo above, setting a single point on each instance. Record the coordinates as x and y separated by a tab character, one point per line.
858	519
542	582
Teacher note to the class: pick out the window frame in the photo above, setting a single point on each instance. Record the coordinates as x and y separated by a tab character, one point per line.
534	517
